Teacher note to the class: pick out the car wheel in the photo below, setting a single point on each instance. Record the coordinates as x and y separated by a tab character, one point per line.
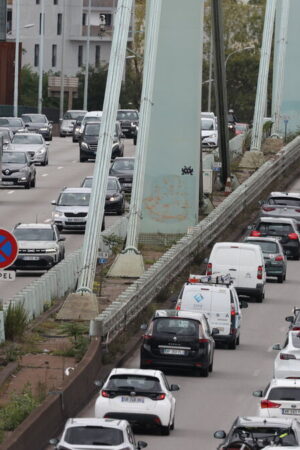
59	227
173	424
296	257
284	277
238	341
280	279
232	345
50	138
74	140
33	182
260	298
62	135
28	184
165	431
82	158
211	366
204	372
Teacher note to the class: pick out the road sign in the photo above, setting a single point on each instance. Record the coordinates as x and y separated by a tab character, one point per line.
8	248
102	260
7	275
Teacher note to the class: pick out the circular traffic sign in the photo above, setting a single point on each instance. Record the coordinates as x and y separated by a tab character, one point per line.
8	248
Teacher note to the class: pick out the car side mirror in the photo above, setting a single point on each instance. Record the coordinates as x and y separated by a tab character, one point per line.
144	327
220	434
215	331
174	387
290	319
53	202
47	143
54	441
98	383
61	239
243	304
276	347
141	444
257	394
26	125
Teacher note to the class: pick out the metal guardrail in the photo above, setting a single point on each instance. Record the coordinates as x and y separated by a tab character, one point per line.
58	281
131	302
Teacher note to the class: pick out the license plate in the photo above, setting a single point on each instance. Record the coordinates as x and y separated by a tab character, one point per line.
76	219
132	400
126	129
172	351
127	184
290	411
31	258
7	183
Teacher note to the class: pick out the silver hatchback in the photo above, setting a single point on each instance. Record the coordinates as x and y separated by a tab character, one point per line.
282	204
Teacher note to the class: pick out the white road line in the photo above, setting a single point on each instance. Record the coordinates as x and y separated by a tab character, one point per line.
44	175
74	161
256	372
60	167
47	220
10	192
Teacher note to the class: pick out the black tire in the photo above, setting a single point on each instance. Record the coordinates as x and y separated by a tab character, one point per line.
28	184
280	279
211	366
33	182
50	138
238	341
165	431
204	372
121	210
62	135
46	162
59	227
296	257
82	158
284	277
260	298
134	140
232	345
173	424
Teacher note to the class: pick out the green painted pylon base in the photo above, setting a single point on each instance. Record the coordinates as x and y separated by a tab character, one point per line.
127	265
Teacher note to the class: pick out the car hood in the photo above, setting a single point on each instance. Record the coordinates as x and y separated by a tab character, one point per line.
26	147
13	166
37	244
125	173
72	209
208	133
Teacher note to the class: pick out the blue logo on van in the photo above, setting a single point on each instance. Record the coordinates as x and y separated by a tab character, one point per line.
198	298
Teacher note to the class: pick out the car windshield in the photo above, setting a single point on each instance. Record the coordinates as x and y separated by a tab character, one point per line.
262	433
11	122
296	339
74	199
34	234
127	115
275	228
27	139
72	115
207	124
179	327
123	165
92	129
93	435
284	393
111	184
38	118
284	201
266	247
91	119
138	383
14	158
241	126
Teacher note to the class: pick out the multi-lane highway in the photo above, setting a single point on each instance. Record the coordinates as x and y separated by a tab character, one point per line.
208	404
34	205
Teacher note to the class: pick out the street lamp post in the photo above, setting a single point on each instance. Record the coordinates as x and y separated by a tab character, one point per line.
16	80
41	61
237	51
62	70
86	75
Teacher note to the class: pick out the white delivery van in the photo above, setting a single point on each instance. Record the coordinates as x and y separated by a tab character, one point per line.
244	262
219	302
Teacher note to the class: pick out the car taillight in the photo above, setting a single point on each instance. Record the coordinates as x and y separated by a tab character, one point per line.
160	397
286	356
105	394
147	337
259	272
203	341
268	404
296	328
279	258
267	208
255	233
178	307
233	311
293	236
297	210
209	269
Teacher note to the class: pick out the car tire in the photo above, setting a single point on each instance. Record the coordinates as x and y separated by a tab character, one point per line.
280	279
50	138
28	184
165	431
134	140
296	257
82	158
204	372
260	298
173	424
232	345
211	366
284	277
238	341
33	183
62	135
59	227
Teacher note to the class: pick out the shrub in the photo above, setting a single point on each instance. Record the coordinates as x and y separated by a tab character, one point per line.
17	410
16	321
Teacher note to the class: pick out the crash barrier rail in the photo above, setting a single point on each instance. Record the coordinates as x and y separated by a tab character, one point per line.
143	291
58	281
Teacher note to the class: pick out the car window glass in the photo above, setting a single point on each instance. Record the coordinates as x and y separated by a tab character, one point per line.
176	327
92	129
284	201
34	234
4	121
127	115
207	124
134	382
74	199
266	247
265	432
112	185
165	381
14	158
296	339
93	435
38	118
123	164
284	393
27	139
130	436
275	228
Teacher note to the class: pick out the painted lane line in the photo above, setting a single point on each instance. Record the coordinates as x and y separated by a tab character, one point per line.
60	167
44	175
10	192
47	220
74	161
256	372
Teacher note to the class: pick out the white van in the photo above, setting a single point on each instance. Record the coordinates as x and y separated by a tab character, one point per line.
219	302
90	116
68	121
244	262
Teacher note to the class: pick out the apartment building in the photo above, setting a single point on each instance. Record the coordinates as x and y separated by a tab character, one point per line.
65	32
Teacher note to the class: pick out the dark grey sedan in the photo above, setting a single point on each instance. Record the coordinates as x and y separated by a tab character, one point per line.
123	168
275	259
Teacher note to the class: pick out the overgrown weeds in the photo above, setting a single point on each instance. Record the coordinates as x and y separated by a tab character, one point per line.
16	321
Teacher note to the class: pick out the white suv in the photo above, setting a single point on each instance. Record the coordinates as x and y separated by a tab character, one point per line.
140	396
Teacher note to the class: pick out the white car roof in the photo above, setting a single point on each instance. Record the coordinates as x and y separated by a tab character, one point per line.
34	225
276	220
284	382
91	421
285	194
182	314
259	238
124	371
266	421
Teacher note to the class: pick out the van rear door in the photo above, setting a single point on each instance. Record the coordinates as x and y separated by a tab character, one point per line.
248	265
196	297
220	313
226	260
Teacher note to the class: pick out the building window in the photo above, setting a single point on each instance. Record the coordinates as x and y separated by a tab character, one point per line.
83	19
97	56
55	2
59	23
54	55
40	24
9	21
36	55
80	55
105	19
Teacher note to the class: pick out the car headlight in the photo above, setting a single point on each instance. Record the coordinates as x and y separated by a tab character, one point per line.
51	250
113	198
23	170
57	214
41	151
84	145
133	124
213	136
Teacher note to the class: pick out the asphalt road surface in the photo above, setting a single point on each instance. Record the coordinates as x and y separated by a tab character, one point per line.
34	205
205	405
